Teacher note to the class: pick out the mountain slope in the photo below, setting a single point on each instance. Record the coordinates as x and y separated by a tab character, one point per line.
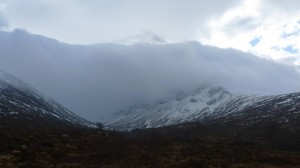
207	104
179	108
277	108
19	100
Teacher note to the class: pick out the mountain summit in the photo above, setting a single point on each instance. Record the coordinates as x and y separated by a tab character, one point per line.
145	37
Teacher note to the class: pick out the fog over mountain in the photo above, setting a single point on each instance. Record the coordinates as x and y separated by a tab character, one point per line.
96	80
268	28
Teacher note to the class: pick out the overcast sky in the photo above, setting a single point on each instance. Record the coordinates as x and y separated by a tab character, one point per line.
268	28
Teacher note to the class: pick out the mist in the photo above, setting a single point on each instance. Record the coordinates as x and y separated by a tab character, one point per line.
95	81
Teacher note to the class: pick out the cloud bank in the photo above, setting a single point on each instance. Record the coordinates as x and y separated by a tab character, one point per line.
267	28
96	80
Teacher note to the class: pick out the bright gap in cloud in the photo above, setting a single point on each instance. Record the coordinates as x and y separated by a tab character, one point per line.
252	27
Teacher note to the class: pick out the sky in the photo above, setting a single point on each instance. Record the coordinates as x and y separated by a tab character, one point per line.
267	28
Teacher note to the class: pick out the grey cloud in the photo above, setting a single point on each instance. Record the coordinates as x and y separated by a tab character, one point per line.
96	80
3	21
240	23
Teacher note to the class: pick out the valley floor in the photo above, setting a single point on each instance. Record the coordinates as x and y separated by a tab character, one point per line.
24	147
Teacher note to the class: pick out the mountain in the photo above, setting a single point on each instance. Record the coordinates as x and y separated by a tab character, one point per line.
21	101
283	108
145	37
208	104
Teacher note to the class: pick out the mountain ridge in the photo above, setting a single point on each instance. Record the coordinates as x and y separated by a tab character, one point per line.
18	99
209	105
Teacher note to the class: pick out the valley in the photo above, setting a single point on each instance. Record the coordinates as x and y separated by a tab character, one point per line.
149	84
189	145
224	130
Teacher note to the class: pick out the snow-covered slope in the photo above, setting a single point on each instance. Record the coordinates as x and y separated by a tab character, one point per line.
182	107
276	108
18	99
206	104
145	37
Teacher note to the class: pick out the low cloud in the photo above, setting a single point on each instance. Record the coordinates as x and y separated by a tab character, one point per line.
95	81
